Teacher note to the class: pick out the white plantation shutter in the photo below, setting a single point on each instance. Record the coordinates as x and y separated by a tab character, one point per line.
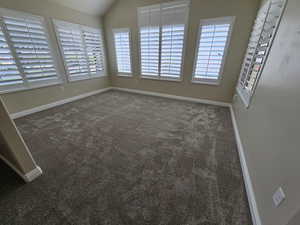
214	37
173	19
149	44
162	32
94	49
262	36
172	50
73	50
26	58
149	22
82	50
253	42
29	39
122	48
9	73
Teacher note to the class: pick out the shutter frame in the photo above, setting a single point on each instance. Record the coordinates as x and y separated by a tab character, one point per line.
24	41
82	62
128	59
100	51
157	70
254	45
212	22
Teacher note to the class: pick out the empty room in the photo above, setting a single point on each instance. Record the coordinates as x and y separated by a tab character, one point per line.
149	112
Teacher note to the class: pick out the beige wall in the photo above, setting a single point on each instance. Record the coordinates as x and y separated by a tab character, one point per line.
270	128
13	147
7	154
24	100
124	14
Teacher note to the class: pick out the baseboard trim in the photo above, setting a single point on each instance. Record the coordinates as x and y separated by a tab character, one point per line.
57	103
78	97
28	177
33	174
196	100
248	183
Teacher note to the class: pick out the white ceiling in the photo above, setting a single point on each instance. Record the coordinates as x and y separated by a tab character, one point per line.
93	7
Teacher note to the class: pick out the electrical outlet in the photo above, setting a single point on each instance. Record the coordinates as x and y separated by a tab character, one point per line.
278	197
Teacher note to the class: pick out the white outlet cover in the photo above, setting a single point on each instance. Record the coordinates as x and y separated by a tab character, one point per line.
278	197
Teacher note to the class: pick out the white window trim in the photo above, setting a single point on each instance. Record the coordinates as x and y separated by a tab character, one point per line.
82	28
115	30
37	84
186	26
213	21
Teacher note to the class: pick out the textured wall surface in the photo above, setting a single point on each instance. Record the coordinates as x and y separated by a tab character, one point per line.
124	14
270	127
28	99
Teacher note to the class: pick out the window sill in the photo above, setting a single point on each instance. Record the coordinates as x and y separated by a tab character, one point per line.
82	78
22	87
126	75
207	82
161	78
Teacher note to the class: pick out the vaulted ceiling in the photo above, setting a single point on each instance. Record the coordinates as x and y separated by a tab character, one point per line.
93	7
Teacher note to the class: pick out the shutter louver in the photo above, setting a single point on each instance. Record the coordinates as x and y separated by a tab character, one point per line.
149	22
262	36
122	47
172	50
73	51
82	50
253	42
9	74
162	32
30	42
94	46
173	19
212	45
149	41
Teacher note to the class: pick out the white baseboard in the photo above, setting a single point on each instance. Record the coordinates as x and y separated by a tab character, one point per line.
54	104
28	177
197	100
247	179
78	97
33	174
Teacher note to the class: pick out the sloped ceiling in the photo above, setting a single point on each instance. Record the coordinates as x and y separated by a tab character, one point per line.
92	7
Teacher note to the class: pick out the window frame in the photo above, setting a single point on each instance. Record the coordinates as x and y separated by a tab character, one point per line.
81	28
36	84
213	21
184	47
125	29
245	96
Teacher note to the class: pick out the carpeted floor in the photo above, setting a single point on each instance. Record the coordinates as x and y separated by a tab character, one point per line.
125	159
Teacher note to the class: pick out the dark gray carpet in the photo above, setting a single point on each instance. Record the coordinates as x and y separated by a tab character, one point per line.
126	159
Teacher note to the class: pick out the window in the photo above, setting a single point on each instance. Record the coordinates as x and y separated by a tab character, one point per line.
9	73
122	48
260	43
26	59
172	50
213	41
94	50
162	34
82	50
